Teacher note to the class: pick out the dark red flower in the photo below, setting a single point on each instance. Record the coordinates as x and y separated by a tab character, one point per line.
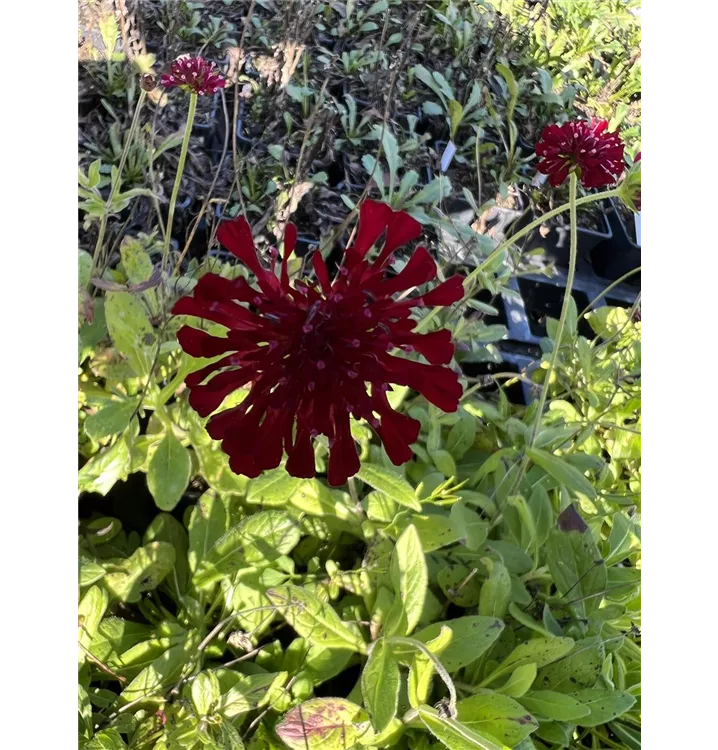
315	353
194	75
582	146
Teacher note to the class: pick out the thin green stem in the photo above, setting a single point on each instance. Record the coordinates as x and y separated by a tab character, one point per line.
609	288
178	177
116	184
573	251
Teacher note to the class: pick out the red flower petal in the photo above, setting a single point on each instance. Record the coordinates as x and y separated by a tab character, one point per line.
374	218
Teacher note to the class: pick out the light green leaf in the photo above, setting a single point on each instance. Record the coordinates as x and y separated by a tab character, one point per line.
454	735
497	715
207	524
520	681
144	570
89	614
554	706
394	486
315	619
111	419
205	692
107	739
380	683
581	667
471	637
539	651
495	591
604	705
130	330
273	488
410	578
461	436
258	540
475	529
169	472
562	472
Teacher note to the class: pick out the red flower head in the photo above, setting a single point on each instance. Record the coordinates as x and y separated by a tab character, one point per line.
584	147
315	353
194	75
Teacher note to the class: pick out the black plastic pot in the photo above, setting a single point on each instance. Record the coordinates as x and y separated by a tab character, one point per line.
556	243
613	258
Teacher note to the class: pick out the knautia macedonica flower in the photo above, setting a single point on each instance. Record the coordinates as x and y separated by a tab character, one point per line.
193	75
315	353
581	146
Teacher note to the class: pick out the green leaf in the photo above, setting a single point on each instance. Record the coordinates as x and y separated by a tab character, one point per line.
555	706
475	529
163	673
454	735
471	637
323	724
111	419
577	569
539	651
205	692
512	86
107	739
394	486
604	705
144	570
258	540
456	114
169	472
248	692
410	578
520	681
208	522
380	683
581	667
272	488
312	618
496	715
461	436
135	260
562	472
166	528
106	468
130	330
428	80
90	612
495	591
435	529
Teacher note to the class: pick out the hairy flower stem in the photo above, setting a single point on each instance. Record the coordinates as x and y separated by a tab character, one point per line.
573	251
470	280
178	177
117	182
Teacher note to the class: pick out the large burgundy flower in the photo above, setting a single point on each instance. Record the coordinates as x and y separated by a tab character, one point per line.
580	146
194	75
314	353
